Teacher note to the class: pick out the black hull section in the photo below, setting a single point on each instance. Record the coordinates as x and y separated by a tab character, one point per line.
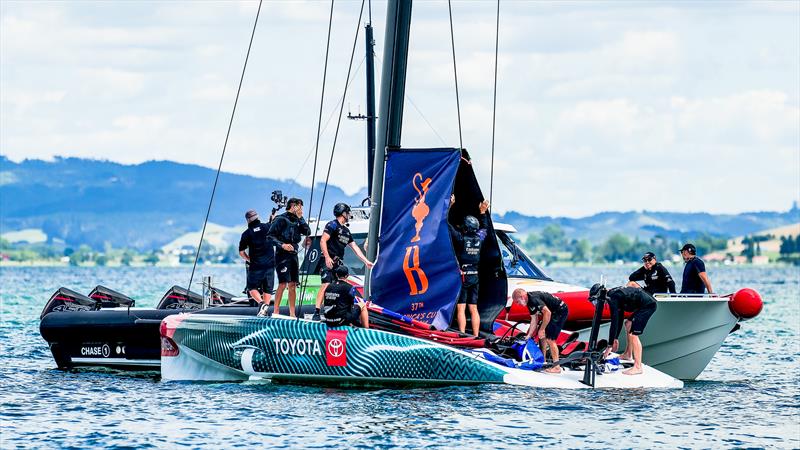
118	338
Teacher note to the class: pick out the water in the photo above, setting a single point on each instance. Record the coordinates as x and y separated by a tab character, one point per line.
747	397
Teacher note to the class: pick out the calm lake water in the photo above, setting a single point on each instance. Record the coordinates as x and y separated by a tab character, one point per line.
749	396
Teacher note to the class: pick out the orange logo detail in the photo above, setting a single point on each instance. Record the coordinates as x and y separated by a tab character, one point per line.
420	210
412	253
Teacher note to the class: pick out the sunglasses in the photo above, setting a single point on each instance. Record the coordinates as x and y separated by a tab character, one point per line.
647	259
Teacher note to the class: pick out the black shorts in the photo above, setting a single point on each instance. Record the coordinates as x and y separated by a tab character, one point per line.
261	279
287	267
351	317
556	323
640	317
469	290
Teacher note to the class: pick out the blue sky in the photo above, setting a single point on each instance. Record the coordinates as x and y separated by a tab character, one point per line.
681	106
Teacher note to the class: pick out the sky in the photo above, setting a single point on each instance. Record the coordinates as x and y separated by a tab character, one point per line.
601	106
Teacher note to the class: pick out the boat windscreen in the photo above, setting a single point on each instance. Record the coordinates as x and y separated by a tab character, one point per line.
311	265
516	262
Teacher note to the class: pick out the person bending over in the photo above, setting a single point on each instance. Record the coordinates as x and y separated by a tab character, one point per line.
622	300
553	313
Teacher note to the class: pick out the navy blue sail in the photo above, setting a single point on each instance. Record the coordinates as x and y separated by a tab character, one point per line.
416	273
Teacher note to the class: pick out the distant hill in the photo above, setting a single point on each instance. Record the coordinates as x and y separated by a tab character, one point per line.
150	205
144	206
646	224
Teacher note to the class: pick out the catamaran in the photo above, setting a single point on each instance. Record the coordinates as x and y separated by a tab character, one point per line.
412	289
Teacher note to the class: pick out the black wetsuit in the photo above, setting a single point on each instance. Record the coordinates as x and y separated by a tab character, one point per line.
468	252
340	238
629	299
287	229
255	240
657	280
692	283
558	311
339	307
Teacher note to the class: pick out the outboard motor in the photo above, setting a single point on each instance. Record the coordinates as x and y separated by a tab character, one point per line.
180	298
68	300
109	298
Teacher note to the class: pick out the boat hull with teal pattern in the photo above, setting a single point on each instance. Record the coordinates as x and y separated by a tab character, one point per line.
200	347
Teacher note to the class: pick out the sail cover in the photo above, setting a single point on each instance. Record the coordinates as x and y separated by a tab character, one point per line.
417	272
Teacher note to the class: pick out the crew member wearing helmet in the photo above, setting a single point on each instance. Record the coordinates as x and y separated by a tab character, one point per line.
621	300
467	245
553	313
285	233
342	304
335	238
695	279
656	277
259	253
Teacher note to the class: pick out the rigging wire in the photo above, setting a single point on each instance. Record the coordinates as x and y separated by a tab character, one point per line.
224	147
335	138
321	103
494	99
455	72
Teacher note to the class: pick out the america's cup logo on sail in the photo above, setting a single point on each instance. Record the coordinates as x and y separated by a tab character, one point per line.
419	212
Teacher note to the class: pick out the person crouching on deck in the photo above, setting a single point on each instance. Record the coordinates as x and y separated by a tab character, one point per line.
339	307
467	246
553	313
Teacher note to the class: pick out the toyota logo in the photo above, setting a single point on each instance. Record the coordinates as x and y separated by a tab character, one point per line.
335	348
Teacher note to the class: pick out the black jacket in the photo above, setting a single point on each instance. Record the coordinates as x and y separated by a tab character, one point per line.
287	228
657	280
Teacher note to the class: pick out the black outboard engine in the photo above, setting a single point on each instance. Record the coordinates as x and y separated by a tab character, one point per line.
180	298
68	300
109	298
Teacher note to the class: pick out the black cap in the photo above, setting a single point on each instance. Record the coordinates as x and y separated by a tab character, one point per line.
689	248
341	271
647	256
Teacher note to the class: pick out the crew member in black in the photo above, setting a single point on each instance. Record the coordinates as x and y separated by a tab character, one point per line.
622	300
335	238
656	277
285	233
342	306
553	313
258	252
695	279
467	246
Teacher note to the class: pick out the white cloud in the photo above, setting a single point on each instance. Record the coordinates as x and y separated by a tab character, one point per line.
592	97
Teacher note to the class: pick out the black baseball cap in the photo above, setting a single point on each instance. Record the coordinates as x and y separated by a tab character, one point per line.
647	256
689	248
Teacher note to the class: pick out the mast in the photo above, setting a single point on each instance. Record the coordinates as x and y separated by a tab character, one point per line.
370	101
390	117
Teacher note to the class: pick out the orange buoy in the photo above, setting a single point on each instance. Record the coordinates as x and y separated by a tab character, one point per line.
745	303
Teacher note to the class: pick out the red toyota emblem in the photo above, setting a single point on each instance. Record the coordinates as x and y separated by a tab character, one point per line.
336	347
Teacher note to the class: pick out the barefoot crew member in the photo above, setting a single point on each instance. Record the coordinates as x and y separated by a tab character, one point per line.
656	277
335	238
285	233
467	246
553	314
257	251
342	306
627	299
